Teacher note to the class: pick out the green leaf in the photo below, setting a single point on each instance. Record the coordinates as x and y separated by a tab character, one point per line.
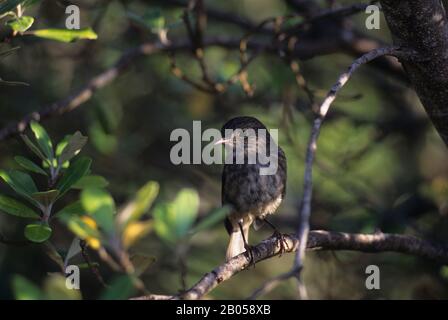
74	208
21	183
37	232
74	145
61	145
65	35
25	290
43	140
98	182
80	227
21	24
140	205
33	148
9	5
100	206
121	288
173	220
15	208
46	198
29	165
213	218
73	174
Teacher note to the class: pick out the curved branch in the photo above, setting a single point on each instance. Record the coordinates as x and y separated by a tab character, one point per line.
317	240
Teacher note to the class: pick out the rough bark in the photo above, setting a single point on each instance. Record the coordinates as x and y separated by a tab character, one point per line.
421	25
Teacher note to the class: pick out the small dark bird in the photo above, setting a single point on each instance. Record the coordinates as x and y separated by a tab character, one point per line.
252	196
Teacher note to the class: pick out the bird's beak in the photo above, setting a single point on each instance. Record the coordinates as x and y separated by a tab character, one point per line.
221	141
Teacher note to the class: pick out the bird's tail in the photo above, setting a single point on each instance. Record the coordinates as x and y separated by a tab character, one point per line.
236	242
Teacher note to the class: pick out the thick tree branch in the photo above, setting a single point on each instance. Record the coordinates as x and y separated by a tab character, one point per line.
421	25
317	240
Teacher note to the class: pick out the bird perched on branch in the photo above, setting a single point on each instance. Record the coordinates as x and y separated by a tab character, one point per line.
252	195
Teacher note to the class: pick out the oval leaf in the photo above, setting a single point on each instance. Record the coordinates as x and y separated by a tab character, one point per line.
74	208
74	145
142	202
91	182
73	174
29	165
100	206
42	138
21	24
46	198
33	147
21	183
37	232
16	208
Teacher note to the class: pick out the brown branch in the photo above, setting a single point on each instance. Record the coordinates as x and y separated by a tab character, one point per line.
317	240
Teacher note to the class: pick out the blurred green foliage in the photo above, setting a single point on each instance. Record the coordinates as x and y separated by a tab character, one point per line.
380	164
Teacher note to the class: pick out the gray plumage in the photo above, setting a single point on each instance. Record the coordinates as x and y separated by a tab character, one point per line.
252	196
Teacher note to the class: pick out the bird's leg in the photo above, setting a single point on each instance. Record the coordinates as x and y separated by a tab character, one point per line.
248	247
281	238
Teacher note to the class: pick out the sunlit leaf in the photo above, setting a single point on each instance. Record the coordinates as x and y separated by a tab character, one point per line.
65	35
73	174
29	165
82	227
42	138
91	182
25	290
21	183
140	205
100	206
135	231
172	221
37	232
74	145
21	24
16	208
33	148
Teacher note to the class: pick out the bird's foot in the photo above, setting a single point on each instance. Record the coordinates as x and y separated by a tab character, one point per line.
282	243
250	254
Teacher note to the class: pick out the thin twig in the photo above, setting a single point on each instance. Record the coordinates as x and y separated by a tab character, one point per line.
92	267
305	207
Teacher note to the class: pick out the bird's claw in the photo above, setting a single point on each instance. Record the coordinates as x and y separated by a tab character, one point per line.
283	244
250	254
